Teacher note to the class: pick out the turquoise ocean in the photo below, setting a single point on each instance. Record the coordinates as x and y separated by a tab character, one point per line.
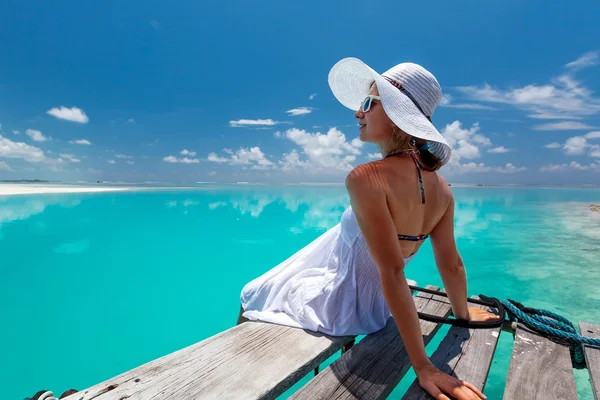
92	285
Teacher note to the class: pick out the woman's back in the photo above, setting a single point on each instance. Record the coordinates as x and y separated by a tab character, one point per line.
412	216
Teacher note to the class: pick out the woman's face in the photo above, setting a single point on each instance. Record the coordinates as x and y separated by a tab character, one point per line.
375	125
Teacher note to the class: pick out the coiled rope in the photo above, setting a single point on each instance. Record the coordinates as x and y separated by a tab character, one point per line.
545	323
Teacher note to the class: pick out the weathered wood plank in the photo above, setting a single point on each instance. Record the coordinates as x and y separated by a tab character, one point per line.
253	360
372	368
249	361
539	369
592	356
464	353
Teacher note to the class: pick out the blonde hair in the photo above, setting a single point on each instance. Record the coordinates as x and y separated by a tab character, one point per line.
401	140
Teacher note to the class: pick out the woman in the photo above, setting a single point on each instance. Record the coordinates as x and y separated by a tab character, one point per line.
347	281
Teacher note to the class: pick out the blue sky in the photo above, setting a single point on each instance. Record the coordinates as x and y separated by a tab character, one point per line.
237	91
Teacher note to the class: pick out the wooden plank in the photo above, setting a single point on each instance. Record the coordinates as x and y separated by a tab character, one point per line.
539	369
372	368
253	360
249	361
463	353
592	356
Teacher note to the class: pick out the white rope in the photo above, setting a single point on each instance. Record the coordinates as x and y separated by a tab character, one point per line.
48	395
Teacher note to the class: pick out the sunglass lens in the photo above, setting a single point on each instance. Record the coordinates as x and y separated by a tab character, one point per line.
366	104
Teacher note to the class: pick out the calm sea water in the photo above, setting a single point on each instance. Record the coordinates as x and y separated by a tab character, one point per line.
93	285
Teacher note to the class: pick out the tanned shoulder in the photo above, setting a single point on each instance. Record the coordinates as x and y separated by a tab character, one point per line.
369	177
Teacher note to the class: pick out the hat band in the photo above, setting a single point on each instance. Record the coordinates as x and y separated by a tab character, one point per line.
407	93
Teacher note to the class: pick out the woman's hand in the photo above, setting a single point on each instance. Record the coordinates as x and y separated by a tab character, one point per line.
478	314
438	384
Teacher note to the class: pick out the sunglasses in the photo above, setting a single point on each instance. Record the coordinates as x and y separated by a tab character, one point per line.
367	102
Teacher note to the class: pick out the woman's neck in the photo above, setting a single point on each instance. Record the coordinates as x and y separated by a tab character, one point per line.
386	153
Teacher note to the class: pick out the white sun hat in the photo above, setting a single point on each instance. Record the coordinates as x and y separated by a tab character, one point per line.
409	94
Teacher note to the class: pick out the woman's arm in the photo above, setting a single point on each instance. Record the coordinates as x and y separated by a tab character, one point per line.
449	263
369	203
368	196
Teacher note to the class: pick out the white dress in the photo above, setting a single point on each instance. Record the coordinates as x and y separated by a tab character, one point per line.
331	286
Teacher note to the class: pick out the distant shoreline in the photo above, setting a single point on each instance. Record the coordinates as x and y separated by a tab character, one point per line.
10	189
32	188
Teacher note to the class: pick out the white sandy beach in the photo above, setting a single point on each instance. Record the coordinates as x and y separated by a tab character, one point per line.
9	189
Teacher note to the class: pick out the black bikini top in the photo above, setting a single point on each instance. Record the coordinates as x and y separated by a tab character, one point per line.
420	167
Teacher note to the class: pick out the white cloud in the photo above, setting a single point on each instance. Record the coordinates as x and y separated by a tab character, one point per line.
111	162
542	100
471	106
36	135
131	120
562	126
10	149
73	114
586	60
578	145
447	102
214	158
500	149
252	123
32	154
184	160
546	115
572	165
186	152
80	141
575	145
583	167
248	156
481	167
464	142
563	98
328	152
374	156
593	135
252	156
553	145
312	96
16	132
123	156
70	158
4	166
356	142
509	169
299	111
291	161
211	173
554	168
130	162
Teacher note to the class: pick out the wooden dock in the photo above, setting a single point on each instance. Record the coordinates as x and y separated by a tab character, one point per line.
257	360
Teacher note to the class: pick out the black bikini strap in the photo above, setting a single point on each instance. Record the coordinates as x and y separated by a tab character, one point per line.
413	154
